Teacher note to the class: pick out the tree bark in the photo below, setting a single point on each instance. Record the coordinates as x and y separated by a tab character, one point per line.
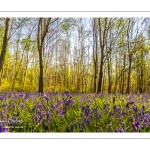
5	41
102	44
42	32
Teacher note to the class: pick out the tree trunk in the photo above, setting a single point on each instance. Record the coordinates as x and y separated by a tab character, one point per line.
95	55
41	78
129	74
5	41
42	32
123	76
100	75
102	43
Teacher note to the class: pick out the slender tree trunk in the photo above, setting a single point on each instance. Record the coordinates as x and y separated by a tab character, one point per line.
100	74
123	75
41	78
109	73
102	42
5	41
1	76
5	44
141	73
117	78
95	55
25	73
42	32
129	74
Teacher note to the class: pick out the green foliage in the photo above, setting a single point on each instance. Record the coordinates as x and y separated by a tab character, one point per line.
88	112
28	44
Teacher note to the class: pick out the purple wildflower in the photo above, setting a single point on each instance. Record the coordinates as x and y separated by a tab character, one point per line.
22	105
134	109
111	114
87	110
105	105
6	129
95	110
136	126
69	102
119	130
98	115
47	115
1	128
11	122
40	107
4	105
34	109
59	103
131	102
114	107
61	113
41	114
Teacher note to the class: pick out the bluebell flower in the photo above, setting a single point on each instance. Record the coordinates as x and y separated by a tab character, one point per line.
87	110
142	118
1	128
135	109
6	129
34	109
119	130
4	105
59	103
98	115
47	115
61	113
131	102
136	126
105	105
147	115
46	98
82	100
45	124
69	102
114	107
40	107
95	110
111	114
52	107
22	105
11	122
41	114
66	93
